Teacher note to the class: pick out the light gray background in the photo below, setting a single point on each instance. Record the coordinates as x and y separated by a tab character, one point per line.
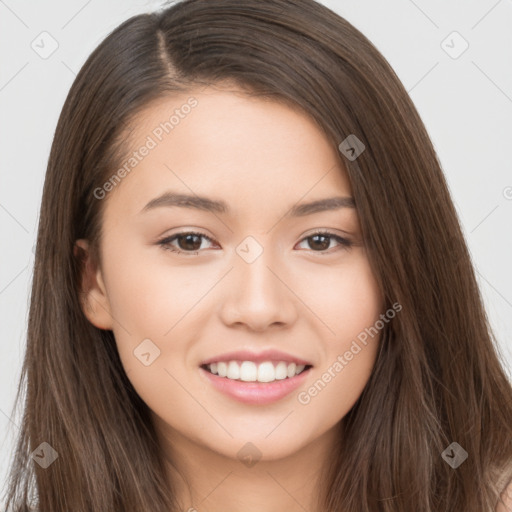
465	102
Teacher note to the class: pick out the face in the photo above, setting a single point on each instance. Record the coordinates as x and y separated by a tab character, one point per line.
242	275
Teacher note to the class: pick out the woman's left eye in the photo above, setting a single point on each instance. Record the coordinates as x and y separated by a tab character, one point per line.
318	239
190	243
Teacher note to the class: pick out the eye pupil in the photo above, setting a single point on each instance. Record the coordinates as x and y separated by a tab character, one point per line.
321	246
188	240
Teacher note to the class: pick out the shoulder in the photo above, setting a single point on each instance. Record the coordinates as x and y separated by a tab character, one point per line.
505	503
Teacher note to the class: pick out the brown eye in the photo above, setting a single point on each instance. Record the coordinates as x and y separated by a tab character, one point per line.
321	241
187	242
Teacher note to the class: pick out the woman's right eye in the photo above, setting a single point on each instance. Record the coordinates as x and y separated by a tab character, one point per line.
187	240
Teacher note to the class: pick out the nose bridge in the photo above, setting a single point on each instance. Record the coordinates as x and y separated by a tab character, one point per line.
258	295
256	278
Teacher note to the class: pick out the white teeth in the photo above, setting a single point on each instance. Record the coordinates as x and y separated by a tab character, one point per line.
266	372
222	369
281	371
233	370
249	371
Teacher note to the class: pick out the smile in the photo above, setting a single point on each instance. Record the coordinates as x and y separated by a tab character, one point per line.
275	385
249	371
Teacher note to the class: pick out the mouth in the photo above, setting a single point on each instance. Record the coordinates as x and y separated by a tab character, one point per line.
254	383
250	371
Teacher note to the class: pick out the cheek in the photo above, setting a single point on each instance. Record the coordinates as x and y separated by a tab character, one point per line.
147	328
351	306
147	295
361	301
344	300
337	386
357	325
153	300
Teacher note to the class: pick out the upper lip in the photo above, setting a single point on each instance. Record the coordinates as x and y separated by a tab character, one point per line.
259	357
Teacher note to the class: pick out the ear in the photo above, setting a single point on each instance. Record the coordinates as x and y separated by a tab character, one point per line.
93	294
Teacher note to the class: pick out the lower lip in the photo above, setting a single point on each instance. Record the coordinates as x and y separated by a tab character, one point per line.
256	392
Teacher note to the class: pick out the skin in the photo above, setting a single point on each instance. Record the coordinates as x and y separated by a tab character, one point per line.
261	157
505	503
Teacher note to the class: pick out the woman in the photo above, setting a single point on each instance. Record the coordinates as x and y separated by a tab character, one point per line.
251	288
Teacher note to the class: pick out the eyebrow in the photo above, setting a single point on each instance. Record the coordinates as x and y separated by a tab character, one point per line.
171	199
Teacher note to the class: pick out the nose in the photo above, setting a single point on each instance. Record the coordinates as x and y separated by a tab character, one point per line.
259	295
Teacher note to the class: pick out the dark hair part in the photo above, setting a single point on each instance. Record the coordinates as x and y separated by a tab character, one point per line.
438	377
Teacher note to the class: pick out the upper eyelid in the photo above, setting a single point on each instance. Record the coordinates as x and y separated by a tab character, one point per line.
326	231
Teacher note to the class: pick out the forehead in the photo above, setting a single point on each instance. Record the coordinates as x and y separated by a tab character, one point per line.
220	142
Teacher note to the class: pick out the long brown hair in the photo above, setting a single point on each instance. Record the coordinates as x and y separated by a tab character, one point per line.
438	378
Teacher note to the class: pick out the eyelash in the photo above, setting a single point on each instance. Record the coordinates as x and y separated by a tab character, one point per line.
165	242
